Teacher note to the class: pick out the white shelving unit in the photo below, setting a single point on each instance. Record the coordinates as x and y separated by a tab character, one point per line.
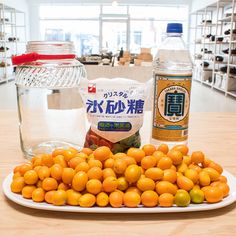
209	41
12	39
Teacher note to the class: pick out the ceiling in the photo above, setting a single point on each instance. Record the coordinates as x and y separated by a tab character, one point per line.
142	2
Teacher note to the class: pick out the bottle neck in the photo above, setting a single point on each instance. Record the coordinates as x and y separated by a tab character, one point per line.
174	35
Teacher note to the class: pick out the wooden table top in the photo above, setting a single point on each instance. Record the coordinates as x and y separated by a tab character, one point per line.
214	133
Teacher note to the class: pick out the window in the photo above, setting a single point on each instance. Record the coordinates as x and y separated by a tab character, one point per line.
84	34
95	28
114	10
145	34
75	23
64	12
148	34
150	22
114	36
176	13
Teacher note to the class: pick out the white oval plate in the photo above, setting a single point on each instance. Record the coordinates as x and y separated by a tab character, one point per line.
17	198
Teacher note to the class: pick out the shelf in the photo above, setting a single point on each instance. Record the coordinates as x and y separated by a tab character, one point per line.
197	12
208	60
223	36
8	79
194	28
6	23
221	55
223	3
207	25
205	69
226	55
232	93
11	24
219	73
217	43
222	74
202	26
197	80
212	25
220	89
10	29
2	67
228	19
210	54
228	38
8	57
3	41
211	7
9	9
200	41
207	83
207	43
221	43
221	63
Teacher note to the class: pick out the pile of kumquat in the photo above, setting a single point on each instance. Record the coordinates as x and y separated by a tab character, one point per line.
148	176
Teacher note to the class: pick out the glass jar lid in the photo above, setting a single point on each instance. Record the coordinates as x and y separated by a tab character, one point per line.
50	47
49	65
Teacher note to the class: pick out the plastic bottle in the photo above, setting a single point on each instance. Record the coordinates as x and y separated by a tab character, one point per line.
172	86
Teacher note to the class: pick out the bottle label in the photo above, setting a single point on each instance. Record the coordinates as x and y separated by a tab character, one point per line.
171	107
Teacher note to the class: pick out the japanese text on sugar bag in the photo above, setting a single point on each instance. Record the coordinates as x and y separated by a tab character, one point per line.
131	106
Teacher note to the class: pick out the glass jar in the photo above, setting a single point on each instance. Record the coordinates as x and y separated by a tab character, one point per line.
50	108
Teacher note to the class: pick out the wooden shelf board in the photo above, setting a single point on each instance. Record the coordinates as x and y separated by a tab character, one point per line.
198	80
220	89
207	25
232	93
207	83
3	41
219	73
228	19
221	63
218	43
7	79
6	23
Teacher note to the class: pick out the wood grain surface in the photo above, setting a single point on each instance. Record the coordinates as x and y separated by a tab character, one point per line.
214	133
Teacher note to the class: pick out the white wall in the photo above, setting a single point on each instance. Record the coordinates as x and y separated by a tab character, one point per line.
34	26
20	5
196	4
109	1
34	9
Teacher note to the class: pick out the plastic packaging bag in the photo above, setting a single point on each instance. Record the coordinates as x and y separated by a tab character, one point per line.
115	110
